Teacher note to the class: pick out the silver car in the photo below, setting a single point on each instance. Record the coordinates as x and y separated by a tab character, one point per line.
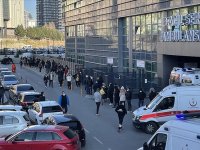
9	80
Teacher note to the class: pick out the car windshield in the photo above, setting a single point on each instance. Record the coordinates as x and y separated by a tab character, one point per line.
74	125
31	98
154	101
50	109
9	78
5	73
25	88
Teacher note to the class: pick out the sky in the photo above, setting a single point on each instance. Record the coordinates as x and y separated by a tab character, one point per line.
30	6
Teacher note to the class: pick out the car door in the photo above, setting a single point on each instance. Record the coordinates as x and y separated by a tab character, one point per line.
165	110
8	125
43	140
22	141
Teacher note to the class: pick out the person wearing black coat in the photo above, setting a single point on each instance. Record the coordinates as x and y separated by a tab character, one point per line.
152	94
110	93
141	97
2	91
60	76
121	112
116	96
128	98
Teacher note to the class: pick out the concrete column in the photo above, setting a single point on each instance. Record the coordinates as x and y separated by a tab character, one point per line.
130	43
120	46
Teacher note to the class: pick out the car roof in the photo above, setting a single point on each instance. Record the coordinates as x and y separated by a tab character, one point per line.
30	93
17	85
46	128
6	71
64	118
189	125
48	103
9	76
15	113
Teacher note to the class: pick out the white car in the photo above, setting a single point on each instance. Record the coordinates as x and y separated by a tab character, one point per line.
42	110
10	107
9	80
12	122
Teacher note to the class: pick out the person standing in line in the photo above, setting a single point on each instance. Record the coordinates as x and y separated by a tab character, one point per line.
78	80
51	77
46	78
141	97
110	93
21	62
63	101
2	92
97	99
103	94
121	112
40	66
122	96
116	96
152	94
69	81
128	98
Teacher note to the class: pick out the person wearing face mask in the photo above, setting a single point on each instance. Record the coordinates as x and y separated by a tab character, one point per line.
63	101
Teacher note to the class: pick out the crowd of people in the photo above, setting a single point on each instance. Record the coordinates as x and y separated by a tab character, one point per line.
118	97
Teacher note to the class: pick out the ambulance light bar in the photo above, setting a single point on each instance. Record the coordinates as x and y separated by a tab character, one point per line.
185	116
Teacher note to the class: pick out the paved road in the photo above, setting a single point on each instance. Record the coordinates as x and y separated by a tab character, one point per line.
101	131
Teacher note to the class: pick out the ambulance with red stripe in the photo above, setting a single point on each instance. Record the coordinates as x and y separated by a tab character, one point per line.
170	101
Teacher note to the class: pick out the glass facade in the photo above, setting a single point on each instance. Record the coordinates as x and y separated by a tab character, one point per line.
125	30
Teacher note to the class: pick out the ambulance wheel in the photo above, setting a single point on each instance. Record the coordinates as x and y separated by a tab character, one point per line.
151	127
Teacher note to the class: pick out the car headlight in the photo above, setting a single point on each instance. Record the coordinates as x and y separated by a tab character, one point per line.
138	117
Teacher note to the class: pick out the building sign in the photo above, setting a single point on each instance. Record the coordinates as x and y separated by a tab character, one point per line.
110	60
176	34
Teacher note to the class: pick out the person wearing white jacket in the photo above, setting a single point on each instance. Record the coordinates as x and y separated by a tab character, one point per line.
97	99
69	81
122	96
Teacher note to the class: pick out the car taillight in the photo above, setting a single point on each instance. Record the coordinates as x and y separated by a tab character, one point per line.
41	114
24	103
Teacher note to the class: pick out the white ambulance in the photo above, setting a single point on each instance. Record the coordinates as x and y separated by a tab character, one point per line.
170	101
175	135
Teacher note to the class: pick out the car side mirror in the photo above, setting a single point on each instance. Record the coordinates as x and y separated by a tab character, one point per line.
145	146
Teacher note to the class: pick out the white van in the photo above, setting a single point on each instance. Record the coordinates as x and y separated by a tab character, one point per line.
175	135
170	101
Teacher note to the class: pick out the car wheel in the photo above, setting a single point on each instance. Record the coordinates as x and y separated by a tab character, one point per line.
151	127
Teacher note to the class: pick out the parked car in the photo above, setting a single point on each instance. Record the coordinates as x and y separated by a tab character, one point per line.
15	90
4	69
26	99
68	120
5	73
12	122
6	60
10	108
40	137
42	110
9	80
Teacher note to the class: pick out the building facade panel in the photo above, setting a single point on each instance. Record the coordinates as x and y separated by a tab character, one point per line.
130	31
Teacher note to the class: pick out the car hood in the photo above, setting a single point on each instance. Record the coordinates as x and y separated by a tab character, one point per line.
141	111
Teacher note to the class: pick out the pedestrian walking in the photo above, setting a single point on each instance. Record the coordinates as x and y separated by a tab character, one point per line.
78	80
152	94
116	96
129	98
66	69
95	86
46	78
141	97
110	93
21	63
40	66
122	96
51	77
63	101
121	112
97	99
2	92
60	76
13	68
69	81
